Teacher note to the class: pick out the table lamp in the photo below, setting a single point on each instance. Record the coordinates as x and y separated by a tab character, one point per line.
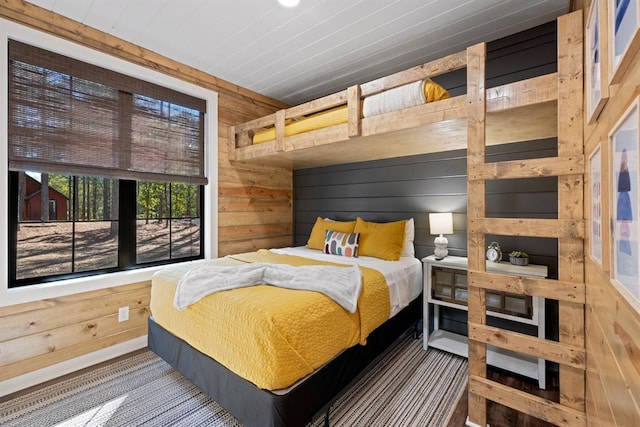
441	223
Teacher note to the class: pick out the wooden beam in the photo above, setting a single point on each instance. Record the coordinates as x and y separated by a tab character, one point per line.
537	90
476	146
232	144
526	285
571	197
524	402
529	168
455	61
554	228
528	344
268	120
353	111
280	130
329	101
255	151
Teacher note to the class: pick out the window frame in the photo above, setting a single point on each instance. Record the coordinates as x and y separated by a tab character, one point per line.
126	243
39	291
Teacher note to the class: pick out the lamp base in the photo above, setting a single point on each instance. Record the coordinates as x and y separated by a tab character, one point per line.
441	250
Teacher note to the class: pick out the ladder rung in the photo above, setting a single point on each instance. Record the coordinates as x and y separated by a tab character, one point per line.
555	228
528	168
528	344
528	285
526	403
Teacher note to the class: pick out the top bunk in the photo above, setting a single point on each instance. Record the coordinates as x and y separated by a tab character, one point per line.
383	119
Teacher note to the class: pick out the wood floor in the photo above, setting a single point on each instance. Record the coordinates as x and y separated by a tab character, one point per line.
501	416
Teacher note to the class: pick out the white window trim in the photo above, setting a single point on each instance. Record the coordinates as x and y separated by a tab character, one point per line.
36	292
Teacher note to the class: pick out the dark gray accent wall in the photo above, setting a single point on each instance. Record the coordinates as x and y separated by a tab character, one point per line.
411	187
520	56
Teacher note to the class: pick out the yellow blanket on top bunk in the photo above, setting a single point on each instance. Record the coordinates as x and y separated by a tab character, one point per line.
323	119
268	335
393	99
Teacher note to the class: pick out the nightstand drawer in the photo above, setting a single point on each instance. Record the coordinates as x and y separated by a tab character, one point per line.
449	285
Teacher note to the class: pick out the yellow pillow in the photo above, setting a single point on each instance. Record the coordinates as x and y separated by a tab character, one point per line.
380	240
434	92
319	231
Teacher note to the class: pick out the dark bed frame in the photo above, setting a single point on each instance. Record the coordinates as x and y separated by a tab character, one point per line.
255	407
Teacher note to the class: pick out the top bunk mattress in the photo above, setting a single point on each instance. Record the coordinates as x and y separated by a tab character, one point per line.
409	95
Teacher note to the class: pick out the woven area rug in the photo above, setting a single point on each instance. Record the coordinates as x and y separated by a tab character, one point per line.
407	387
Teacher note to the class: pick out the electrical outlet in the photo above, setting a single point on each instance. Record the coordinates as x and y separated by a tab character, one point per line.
123	314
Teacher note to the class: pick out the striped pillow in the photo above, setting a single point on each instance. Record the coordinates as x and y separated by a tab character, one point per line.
344	244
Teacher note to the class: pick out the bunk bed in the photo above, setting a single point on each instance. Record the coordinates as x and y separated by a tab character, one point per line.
519	111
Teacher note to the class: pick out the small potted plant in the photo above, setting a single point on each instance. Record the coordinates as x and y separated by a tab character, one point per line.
519	258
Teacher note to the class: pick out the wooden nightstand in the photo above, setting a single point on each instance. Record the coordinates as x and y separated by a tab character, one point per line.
445	284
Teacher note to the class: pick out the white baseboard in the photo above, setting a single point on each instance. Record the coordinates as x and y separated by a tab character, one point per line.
471	424
40	376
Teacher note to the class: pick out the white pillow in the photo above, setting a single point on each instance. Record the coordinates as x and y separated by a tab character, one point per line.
409	235
398	98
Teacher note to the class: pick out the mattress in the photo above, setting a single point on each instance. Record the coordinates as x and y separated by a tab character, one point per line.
323	119
403	277
405	96
301	330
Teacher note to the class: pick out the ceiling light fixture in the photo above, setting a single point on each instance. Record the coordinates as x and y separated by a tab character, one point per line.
289	3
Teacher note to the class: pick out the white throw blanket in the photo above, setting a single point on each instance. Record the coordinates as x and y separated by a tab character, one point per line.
405	96
342	284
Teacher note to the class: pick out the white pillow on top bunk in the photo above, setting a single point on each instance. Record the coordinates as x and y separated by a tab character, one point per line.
405	96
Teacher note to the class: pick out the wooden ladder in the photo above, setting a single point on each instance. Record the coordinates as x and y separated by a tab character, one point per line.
568	229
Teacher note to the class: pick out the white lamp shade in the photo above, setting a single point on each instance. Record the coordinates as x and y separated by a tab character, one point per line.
441	223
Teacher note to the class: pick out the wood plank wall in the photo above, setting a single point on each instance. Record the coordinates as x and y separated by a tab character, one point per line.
612	322
254	212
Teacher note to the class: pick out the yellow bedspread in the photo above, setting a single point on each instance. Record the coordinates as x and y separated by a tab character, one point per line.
268	335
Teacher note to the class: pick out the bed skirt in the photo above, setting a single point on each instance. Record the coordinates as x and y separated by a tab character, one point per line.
307	399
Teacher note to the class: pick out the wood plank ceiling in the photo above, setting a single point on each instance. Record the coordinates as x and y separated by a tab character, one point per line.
317	48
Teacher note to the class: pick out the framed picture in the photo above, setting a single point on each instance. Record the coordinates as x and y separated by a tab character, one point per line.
624	204
595	168
624	34
595	53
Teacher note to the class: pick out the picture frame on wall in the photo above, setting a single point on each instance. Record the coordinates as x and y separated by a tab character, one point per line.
624	143
595	53
595	168
624	35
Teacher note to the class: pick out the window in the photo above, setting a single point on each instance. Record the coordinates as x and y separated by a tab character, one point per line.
82	236
168	221
106	171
